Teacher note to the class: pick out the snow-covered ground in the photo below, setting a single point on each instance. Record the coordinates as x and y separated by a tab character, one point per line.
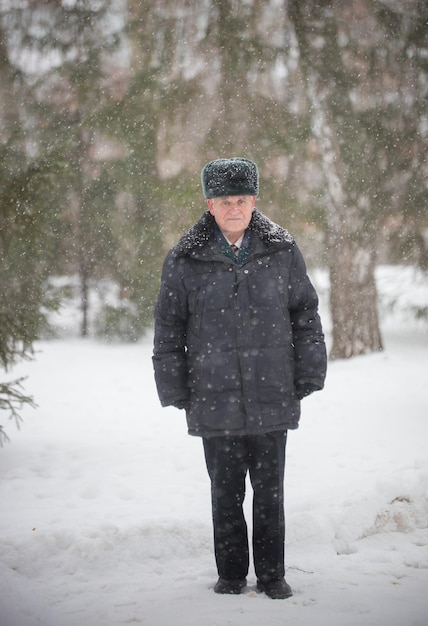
105	505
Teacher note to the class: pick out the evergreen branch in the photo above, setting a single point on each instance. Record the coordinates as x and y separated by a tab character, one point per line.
12	400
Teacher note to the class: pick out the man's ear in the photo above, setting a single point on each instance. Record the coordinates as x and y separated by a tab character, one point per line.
210	206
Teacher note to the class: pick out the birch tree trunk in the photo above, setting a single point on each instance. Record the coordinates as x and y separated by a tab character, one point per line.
351	222
351	242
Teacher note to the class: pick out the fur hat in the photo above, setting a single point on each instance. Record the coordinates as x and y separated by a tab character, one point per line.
230	177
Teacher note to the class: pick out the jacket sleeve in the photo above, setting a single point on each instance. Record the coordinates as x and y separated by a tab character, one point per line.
308	337
169	353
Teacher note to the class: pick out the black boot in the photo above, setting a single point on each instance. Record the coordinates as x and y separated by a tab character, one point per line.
230	586
277	589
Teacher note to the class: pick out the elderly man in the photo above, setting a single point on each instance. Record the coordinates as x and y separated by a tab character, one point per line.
238	343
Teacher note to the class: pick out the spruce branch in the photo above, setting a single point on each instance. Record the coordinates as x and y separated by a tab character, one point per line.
12	399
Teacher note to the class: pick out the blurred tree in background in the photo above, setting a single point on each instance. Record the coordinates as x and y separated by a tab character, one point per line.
366	84
26	223
71	111
109	109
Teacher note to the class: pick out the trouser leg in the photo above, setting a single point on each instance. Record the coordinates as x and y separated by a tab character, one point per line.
267	466
227	464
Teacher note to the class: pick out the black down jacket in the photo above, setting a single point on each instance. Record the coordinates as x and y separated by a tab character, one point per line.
232	342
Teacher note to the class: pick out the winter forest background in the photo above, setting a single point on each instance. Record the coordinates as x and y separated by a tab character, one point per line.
109	109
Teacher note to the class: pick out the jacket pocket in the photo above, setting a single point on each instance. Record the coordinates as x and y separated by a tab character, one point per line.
196	306
275	374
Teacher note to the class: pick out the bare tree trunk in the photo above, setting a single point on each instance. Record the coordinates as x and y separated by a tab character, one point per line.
350	223
350	241
353	299
9	112
84	298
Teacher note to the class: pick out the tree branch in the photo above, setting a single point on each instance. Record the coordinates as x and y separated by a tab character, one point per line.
12	399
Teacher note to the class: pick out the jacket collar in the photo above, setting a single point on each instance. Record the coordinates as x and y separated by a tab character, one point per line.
203	231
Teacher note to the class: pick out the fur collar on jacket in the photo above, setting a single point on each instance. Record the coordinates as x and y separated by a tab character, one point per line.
203	231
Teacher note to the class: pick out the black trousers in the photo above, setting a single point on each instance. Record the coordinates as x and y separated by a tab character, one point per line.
228	460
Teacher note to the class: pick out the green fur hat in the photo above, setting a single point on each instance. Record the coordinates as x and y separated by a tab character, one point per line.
230	177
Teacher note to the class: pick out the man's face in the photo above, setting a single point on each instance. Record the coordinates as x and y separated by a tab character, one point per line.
232	214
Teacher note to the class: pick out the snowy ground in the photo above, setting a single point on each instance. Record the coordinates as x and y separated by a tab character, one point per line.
105	506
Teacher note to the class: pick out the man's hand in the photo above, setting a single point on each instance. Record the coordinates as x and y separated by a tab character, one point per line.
305	389
181	404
